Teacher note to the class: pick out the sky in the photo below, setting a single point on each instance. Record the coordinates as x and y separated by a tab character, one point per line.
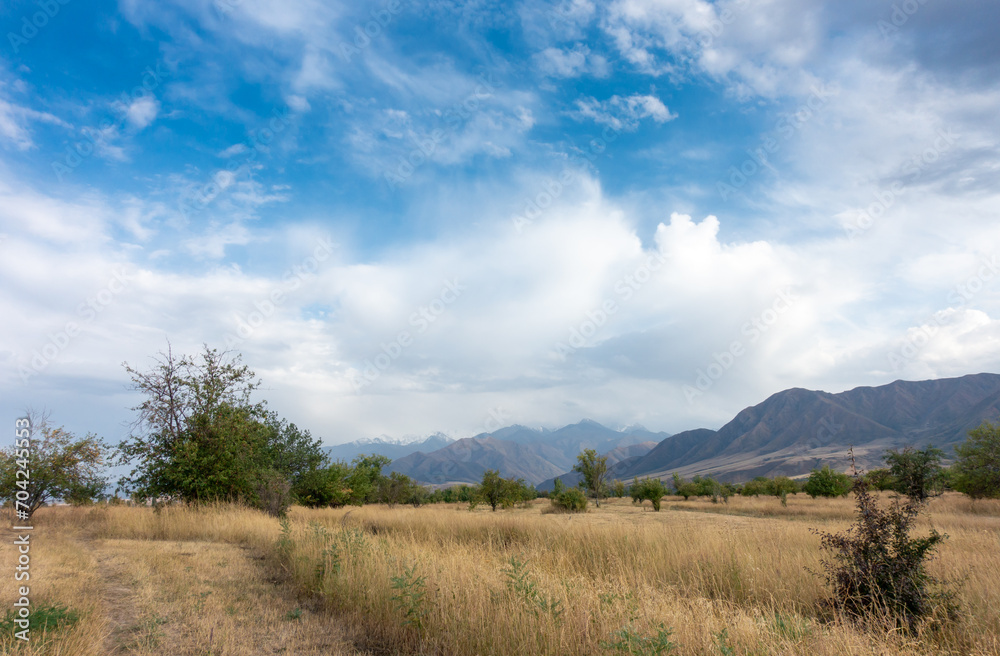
411	217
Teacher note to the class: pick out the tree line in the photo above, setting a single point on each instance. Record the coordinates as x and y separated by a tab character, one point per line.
199	436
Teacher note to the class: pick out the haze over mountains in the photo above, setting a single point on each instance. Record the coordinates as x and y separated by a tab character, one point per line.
789	433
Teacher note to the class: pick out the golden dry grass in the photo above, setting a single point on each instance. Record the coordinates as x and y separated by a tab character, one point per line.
720	576
178	582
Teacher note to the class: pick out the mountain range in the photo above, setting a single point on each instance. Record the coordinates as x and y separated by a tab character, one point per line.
522	452
386	446
789	433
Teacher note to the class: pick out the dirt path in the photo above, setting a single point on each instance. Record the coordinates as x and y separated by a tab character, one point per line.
169	598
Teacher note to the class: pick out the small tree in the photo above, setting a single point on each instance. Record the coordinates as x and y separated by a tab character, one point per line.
828	483
649	489
399	488
618	488
781	487
570	500
325	486
364	478
59	464
499	492
916	473
756	487
977	470
879	479
594	469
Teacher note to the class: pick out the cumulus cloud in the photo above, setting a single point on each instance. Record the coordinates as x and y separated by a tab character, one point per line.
142	111
570	63
623	113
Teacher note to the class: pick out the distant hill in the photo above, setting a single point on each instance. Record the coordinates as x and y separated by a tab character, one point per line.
386	446
789	433
796	430
517	451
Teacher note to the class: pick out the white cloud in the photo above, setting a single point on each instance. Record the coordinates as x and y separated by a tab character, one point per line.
15	120
570	63
623	113
142	111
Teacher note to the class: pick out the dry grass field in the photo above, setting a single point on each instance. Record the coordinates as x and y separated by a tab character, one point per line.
723	579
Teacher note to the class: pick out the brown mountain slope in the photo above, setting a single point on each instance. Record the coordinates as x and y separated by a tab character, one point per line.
795	430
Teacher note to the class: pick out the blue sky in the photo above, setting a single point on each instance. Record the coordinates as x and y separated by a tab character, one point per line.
440	216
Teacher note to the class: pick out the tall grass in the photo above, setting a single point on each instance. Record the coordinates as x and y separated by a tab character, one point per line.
713	579
721	578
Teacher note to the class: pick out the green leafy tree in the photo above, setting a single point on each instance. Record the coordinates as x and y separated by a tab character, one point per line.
199	436
649	489
325	486
756	487
916	473
976	472
183	396
397	488
365	477
879	479
594	469
781	486
618	488
217	458
59	464
677	481
570	499
828	483
500	492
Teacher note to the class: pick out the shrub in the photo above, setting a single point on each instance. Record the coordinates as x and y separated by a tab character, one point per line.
916	473
827	483
649	489
977	470
878	571
571	499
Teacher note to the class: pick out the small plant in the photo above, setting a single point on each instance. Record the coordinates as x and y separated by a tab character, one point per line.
199	604
722	642
410	597
285	543
790	628
519	582
878	570
43	618
294	615
629	641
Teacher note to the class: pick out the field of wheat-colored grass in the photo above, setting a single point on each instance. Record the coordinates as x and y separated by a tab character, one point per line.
720	578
